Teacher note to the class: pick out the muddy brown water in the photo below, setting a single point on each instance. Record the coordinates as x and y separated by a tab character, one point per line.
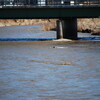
31	69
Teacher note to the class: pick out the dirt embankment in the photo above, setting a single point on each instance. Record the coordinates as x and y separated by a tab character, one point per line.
91	25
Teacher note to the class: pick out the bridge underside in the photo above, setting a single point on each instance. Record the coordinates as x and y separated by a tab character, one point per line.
50	12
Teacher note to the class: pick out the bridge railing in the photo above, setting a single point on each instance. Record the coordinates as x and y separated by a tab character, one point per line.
33	3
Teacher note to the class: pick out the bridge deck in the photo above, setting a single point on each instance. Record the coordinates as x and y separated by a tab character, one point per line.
49	9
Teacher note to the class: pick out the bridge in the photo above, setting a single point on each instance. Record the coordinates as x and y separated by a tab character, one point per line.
67	11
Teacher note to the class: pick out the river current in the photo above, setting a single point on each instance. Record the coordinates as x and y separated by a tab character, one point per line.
34	67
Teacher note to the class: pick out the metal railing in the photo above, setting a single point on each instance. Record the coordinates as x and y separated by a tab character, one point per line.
30	3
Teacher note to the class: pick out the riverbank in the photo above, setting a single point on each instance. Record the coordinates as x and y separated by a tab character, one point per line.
91	25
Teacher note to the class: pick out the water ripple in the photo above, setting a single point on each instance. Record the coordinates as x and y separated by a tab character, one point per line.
26	39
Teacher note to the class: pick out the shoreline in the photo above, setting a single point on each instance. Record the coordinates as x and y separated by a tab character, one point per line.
88	25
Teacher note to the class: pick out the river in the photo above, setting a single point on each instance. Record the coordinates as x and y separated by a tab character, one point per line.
34	67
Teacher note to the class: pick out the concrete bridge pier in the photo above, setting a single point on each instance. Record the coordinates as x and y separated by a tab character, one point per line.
67	28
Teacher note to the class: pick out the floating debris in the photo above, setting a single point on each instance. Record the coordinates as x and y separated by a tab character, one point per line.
59	47
55	63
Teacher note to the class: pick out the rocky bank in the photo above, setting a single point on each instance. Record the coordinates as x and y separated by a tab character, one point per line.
90	25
